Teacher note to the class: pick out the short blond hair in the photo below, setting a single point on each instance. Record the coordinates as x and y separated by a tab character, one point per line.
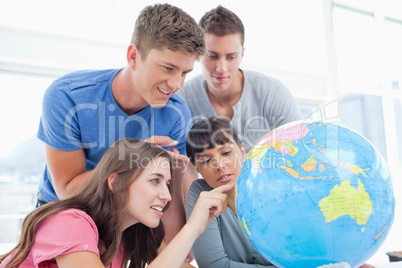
165	26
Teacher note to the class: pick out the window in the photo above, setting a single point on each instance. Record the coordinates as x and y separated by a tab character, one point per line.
368	38
22	154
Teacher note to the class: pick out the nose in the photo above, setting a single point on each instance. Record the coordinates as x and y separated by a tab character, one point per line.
220	165
164	194
175	82
222	65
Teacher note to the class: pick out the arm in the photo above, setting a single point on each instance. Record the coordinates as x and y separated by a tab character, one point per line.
75	246
209	204
190	176
174	218
175	215
67	169
82	259
208	249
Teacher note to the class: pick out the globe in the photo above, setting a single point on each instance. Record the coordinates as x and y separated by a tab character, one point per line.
314	193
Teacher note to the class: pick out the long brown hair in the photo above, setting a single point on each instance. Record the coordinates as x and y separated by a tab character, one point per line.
126	158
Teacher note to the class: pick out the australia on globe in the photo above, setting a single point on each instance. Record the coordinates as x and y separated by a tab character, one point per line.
314	193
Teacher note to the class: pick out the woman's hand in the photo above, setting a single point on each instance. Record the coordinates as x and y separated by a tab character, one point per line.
209	204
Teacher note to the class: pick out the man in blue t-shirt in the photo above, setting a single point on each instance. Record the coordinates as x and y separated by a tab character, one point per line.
87	111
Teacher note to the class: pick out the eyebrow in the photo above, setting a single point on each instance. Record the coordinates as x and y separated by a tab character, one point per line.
174	66
199	155
157	174
231	53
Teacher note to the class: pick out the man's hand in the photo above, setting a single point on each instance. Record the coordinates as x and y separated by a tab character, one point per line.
167	141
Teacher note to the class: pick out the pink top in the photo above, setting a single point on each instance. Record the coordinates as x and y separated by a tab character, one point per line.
65	232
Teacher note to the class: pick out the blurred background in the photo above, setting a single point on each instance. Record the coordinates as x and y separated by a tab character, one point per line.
341	59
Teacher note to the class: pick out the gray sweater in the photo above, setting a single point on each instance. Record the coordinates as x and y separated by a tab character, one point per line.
265	104
223	243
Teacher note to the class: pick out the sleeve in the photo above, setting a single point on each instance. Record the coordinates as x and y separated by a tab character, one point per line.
58	125
208	249
65	232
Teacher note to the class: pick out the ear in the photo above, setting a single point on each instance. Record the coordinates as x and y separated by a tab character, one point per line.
133	55
243	152
110	181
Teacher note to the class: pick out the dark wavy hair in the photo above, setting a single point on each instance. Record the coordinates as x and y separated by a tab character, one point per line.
208	133
108	209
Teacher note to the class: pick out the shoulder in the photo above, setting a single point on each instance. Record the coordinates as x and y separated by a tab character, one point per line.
264	86
68	231
82	79
192	86
177	100
75	225
198	186
258	78
195	81
175	108
70	216
194	192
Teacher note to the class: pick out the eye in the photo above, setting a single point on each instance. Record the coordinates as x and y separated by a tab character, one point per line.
232	57
226	152
212	56
205	161
168	184
168	68
155	181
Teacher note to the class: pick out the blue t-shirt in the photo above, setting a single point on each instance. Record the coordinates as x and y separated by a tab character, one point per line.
79	111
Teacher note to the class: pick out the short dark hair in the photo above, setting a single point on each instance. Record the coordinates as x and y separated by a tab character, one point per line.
208	133
164	25
221	21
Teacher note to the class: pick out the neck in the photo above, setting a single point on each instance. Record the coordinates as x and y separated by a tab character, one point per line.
124	92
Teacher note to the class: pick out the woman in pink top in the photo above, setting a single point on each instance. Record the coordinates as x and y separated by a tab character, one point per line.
114	219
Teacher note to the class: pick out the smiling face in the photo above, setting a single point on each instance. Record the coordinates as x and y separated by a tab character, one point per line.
160	74
149	194
221	164
221	62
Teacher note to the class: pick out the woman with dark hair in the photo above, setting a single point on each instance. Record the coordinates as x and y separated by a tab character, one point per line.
114	219
217	152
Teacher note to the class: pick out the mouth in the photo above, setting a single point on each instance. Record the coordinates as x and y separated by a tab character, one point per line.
225	178
164	92
220	78
158	209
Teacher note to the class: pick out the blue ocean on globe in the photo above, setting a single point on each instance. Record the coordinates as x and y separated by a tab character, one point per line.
312	194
